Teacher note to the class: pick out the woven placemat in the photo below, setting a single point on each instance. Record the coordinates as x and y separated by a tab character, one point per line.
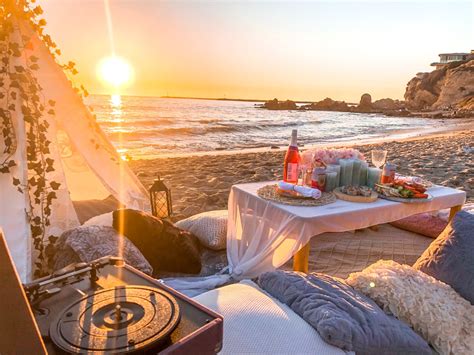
269	192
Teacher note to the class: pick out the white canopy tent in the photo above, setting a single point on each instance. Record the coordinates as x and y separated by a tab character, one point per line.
86	164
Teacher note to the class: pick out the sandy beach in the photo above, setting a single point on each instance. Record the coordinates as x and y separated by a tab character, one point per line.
202	183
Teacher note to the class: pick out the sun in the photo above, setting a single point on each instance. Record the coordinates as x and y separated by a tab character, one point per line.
115	71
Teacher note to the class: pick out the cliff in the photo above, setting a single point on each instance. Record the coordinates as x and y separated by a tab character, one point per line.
451	87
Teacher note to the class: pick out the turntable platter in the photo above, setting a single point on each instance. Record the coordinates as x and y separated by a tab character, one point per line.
118	320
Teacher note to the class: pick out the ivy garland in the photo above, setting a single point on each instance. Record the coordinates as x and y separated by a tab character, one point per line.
24	94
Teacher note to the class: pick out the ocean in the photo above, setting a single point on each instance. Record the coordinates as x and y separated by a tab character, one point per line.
150	127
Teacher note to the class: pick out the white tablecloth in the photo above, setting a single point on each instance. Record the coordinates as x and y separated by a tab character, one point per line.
262	235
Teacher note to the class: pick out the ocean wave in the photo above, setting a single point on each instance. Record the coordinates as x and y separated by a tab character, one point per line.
151	128
131	133
131	122
200	130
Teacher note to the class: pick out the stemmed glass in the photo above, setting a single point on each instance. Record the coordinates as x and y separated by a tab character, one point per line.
304	167
302	173
379	157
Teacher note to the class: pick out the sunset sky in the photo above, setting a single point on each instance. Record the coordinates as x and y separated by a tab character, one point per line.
250	49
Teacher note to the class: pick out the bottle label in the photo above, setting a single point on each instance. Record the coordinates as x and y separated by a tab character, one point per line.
292	172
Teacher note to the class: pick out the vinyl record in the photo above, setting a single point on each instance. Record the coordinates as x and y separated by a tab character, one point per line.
124	319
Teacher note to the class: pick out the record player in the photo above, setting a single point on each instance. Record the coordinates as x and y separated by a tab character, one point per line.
109	307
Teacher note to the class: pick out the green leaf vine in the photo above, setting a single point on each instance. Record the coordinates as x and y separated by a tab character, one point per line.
20	92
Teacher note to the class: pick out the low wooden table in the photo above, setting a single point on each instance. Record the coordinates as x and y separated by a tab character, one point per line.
285	230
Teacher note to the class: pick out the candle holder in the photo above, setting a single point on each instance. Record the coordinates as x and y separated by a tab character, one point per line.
160	199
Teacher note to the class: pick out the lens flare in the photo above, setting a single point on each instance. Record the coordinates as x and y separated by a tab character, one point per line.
115	71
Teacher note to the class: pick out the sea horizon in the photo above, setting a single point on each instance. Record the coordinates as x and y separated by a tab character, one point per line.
222	98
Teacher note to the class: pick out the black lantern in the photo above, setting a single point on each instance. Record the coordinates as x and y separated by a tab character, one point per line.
160	199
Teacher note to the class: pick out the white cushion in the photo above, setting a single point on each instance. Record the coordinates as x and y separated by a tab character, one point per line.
256	323
210	228
432	308
100	220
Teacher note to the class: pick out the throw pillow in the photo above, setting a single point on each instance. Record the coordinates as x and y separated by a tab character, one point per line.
86	209
450	258
87	243
165	246
100	220
423	223
210	228
431	307
342	316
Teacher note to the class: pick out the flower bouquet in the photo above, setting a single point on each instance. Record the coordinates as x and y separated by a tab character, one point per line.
330	156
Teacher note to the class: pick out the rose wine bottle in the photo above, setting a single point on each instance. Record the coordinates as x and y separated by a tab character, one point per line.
292	161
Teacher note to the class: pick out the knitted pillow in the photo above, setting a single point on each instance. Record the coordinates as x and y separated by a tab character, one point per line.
432	308
87	243
165	246
450	258
210	228
423	223
342	316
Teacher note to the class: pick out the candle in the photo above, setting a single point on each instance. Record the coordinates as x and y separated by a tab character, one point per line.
346	171
373	176
356	172
336	168
331	181
363	173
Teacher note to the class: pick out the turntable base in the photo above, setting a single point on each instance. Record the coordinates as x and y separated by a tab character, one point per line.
116	320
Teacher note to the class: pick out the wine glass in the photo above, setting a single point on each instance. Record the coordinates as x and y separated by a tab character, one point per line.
379	157
301	173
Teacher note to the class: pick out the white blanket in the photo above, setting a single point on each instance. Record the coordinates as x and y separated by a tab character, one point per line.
256	323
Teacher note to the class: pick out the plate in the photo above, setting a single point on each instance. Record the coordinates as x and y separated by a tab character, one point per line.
407	200
360	199
379	188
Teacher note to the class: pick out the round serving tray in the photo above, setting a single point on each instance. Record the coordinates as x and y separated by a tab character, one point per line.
269	192
360	199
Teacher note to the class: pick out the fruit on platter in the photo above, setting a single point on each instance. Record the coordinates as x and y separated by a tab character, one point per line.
402	189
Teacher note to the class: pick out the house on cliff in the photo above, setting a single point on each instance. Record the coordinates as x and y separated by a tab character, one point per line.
446	58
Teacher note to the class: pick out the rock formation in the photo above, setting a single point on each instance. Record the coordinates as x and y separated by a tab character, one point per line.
448	88
443	93
327	104
280	105
388	104
365	104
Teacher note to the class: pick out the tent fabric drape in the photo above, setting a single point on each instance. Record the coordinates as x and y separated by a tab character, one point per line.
86	164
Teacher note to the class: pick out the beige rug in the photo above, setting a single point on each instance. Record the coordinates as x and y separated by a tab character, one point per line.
339	254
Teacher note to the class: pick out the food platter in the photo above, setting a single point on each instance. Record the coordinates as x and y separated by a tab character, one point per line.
403	192
407	200
360	199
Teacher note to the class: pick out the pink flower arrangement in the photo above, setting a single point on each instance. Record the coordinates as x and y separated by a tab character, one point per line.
330	156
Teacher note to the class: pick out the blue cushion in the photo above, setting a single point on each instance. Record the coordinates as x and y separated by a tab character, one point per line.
342	316
450	258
